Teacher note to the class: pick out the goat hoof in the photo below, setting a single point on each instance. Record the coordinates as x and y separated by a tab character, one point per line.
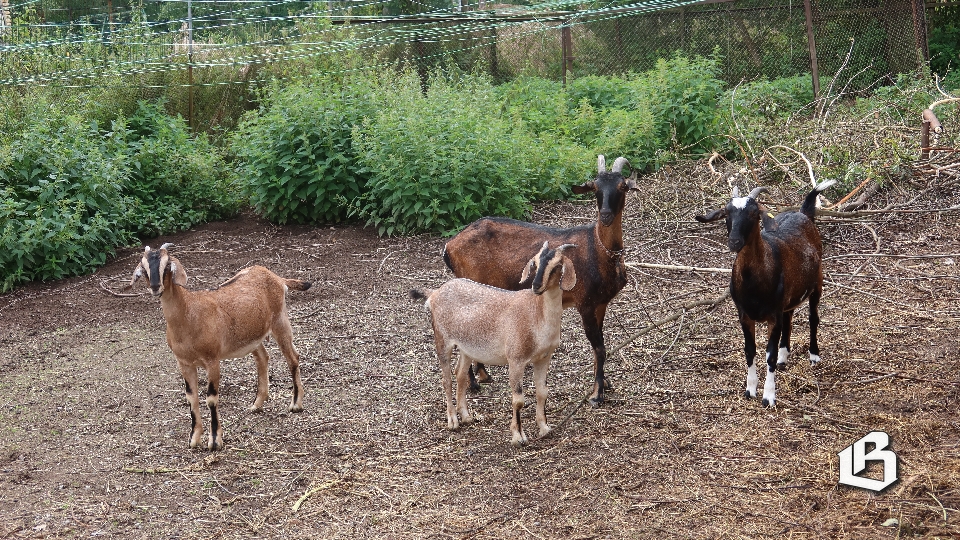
474	387
768	402
814	359
214	446
596	402
255	408
519	440
296	408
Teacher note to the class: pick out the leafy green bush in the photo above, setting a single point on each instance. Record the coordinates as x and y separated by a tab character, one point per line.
684	98
776	99
61	200
71	192
540	104
440	161
296	155
178	181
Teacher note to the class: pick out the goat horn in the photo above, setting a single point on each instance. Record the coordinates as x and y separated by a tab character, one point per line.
146	249
565	246
601	164
735	192
757	191
166	245
619	163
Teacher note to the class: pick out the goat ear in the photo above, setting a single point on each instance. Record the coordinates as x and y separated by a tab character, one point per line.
179	274
631	182
586	187
137	274
568	279
712	216
769	222
527	271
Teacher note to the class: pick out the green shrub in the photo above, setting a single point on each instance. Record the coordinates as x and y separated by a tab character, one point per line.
440	161
296	156
61	198
540	104
684	98
178	181
776	99
70	192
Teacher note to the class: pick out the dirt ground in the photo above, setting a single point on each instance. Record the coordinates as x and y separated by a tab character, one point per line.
94	426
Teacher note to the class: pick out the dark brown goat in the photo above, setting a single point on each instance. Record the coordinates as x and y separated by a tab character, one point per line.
776	269
494	251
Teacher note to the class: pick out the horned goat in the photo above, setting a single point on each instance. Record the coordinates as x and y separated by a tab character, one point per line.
493	251
231	321
776	269
501	327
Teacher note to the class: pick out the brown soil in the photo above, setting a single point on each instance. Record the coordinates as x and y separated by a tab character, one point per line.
94	424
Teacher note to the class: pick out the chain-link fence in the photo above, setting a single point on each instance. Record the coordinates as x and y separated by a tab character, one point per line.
218	46
865	42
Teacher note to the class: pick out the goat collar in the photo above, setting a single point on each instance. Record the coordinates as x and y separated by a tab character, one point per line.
614	254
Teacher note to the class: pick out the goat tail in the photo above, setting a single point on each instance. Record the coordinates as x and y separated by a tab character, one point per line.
297	285
418	294
446	259
809	207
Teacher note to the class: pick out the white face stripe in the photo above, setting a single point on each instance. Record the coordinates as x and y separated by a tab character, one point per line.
739	202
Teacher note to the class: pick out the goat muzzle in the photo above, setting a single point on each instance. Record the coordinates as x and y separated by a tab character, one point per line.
735	244
606	218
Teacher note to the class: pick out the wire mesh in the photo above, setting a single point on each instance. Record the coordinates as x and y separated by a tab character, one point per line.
93	42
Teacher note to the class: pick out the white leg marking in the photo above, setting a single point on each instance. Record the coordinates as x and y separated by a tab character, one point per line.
770	389
814	359
752	380
782	356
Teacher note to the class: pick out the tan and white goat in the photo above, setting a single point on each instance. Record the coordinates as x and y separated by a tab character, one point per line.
501	327
231	321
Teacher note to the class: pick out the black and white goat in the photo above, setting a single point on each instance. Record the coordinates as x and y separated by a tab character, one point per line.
501	327
494	251
776	269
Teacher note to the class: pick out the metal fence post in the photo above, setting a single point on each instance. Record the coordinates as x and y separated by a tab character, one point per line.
811	42
190	121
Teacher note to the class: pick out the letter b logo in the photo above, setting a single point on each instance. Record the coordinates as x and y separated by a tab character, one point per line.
854	458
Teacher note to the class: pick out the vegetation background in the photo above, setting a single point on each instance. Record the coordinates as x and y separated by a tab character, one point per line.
319	124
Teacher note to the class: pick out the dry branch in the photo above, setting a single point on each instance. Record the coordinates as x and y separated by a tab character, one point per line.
311	492
678	267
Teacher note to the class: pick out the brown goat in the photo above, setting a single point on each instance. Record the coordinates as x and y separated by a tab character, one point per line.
494	251
231	321
776	269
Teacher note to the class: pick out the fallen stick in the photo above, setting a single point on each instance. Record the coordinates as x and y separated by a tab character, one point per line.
678	267
310	492
158	470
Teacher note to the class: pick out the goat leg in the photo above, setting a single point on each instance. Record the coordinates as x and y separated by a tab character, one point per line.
516	384
284	336
463	381
814	323
540	368
262	358
750	352
770	384
189	375
784	353
593	326
213	400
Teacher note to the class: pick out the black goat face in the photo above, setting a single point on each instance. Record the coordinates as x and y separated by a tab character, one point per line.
743	215
611	189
